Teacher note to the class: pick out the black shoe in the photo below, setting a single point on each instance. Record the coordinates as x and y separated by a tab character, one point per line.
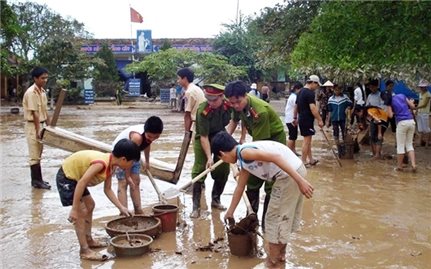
40	185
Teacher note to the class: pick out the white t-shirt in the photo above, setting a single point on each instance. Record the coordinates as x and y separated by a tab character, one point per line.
173	93
126	133
268	171
358	96
290	108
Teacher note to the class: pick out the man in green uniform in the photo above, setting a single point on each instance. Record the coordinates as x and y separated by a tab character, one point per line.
262	123
212	116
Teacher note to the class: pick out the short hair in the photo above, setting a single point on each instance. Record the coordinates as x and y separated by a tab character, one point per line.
374	82
297	85
389	82
235	88
153	125
128	149
38	71
186	72
222	141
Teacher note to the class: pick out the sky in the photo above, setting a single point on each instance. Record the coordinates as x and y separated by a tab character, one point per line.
166	18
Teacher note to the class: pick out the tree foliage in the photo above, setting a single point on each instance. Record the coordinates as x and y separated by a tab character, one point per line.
106	78
38	36
354	39
279	29
162	66
239	45
9	28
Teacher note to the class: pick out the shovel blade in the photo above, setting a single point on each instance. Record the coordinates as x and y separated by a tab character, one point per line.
170	193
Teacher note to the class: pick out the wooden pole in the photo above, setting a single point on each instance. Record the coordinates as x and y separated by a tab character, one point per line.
58	106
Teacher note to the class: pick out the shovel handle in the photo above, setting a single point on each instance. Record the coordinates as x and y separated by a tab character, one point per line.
244	194
153	182
201	175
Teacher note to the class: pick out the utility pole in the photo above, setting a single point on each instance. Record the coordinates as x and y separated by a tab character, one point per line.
237	12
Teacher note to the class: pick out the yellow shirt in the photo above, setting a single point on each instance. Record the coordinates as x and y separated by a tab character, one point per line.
76	165
35	100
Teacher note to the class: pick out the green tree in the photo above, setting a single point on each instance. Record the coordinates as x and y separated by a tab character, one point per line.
9	29
278	30
162	67
106	79
351	40
37	36
238	45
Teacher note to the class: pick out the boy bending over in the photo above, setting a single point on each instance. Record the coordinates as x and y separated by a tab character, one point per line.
88	168
270	161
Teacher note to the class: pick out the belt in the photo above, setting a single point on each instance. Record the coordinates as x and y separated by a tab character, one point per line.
33	121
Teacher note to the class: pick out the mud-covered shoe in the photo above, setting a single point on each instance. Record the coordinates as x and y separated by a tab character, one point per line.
195	214
217	205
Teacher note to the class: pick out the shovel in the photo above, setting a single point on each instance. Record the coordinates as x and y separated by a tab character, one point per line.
153	182
333	151
174	192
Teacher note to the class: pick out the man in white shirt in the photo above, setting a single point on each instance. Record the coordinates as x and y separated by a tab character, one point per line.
193	96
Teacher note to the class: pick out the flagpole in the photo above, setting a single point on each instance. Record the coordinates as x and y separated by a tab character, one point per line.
131	35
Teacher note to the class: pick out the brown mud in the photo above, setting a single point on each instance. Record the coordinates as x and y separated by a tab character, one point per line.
363	215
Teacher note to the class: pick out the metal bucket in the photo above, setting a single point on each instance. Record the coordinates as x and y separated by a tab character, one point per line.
168	216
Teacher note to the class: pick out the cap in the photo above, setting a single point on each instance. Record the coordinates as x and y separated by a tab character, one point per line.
253	86
314	78
423	83
328	83
212	91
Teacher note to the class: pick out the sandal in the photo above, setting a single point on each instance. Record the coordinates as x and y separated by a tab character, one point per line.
97	244
94	256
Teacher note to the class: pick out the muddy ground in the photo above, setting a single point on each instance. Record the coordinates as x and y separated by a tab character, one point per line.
363	215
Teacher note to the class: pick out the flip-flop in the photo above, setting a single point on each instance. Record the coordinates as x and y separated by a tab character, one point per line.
94	256
98	244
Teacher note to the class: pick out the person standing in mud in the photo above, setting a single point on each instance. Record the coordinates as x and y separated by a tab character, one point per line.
87	168
401	109
142	135
275	162
193	96
212	116
288	117
35	106
262	123
304	114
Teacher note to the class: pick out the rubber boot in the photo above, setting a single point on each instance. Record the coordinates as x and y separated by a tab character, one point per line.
265	208
36	178
218	189
197	190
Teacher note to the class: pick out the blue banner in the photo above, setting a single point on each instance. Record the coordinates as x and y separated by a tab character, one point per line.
89	96
144	43
116	49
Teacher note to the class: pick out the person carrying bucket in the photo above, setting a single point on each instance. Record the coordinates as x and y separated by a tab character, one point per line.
212	116
262	123
275	162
